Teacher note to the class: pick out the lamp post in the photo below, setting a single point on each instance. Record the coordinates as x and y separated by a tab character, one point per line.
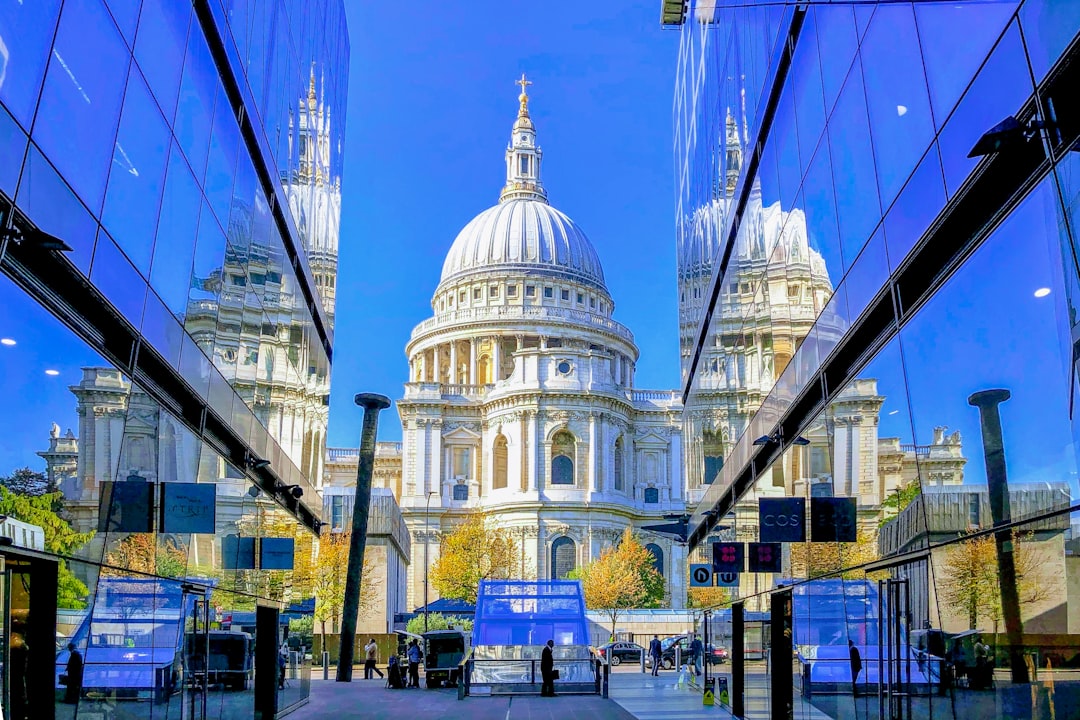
427	530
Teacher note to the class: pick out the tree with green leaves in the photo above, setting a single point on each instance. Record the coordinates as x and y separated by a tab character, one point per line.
438	621
622	578
60	538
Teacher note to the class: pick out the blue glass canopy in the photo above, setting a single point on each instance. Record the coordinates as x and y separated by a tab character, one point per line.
530	612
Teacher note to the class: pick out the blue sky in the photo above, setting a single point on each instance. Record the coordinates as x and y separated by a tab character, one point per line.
431	102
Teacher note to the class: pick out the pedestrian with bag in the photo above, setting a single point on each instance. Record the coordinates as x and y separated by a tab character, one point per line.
696	651
547	670
655	651
371	651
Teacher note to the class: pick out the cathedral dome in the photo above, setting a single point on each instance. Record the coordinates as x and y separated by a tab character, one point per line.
524	234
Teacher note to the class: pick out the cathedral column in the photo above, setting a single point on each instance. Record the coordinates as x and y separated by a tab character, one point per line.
533	445
676	473
473	380
593	477
453	363
496	359
435	474
418	481
618	369
436	376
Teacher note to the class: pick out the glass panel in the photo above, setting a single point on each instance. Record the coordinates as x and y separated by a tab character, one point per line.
1049	26
951	58
159	50
919	203
80	105
12	151
998	91
120	282
137	176
126	14
224	142
177	230
900	119
836	45
51	205
195	106
857	203
26	32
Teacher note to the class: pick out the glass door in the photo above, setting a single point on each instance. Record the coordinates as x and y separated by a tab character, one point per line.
196	656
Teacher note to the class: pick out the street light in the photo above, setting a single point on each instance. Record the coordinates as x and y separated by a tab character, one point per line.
427	523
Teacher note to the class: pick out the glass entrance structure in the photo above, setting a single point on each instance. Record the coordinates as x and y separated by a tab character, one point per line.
170	178
877	222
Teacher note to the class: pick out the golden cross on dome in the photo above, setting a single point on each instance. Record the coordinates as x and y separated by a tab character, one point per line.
523	83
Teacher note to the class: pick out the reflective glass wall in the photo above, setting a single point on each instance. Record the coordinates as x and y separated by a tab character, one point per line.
878	304
169	194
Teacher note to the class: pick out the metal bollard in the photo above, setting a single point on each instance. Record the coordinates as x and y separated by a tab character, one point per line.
325	665
607	675
678	658
642	661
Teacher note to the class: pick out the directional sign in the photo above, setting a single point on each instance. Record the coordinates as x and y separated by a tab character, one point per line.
765	557
727	579
782	519
727	557
701	575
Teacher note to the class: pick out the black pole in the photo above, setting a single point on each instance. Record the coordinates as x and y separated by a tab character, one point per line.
781	704
372	404
738	660
997	482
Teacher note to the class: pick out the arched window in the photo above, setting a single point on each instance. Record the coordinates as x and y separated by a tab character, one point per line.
461	492
563	557
562	458
483	370
500	454
658	557
713	445
619	463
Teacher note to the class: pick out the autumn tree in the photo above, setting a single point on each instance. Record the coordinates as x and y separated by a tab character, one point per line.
972	582
708	597
60	538
815	559
144	553
622	578
331	567
476	550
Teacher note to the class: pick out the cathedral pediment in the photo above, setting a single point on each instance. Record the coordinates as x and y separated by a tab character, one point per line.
652	437
462	432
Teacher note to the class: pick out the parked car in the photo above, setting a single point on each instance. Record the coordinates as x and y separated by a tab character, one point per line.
667	651
716	655
617	653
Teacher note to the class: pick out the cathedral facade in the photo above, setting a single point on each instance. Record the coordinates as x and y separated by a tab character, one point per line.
520	401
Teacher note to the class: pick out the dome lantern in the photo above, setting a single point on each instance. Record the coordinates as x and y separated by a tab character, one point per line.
523	156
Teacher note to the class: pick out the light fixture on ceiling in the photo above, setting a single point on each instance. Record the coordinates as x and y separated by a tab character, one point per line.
777	438
7	341
255	463
52	373
1007	134
33	237
1042	292
294	490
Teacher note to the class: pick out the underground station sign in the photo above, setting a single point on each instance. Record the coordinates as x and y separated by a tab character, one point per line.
701	575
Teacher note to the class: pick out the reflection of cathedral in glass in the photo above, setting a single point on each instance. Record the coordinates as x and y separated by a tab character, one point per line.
775	287
314	190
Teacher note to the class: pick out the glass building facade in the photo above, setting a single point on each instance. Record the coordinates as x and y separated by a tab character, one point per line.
878	215
170	179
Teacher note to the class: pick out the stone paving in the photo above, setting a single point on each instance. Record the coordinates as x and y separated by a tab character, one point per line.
370	699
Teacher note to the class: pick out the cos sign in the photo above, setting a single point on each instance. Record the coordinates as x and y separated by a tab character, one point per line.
782	519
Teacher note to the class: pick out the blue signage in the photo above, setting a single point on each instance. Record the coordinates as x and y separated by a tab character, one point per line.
782	519
126	506
188	507
276	553
833	519
727	557
237	553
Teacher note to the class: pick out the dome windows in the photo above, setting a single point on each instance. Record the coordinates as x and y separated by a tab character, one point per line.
565	367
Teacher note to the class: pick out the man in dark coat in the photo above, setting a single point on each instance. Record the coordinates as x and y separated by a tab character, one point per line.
547	670
74	675
856	665
655	651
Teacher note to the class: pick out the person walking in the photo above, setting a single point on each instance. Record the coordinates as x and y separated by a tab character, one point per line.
547	670
282	660
415	654
74	676
696	652
655	652
856	665
371	651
